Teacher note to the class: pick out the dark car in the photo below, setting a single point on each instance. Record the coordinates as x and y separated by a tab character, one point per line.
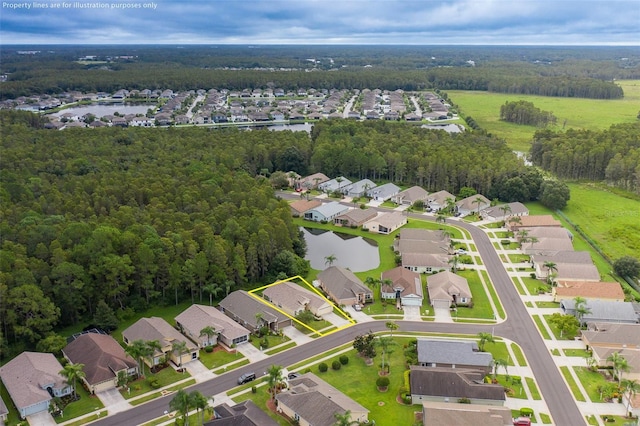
246	378
292	376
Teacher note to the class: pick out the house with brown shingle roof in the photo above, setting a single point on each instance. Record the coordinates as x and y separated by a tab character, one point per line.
251	313
386	223
534	221
439	200
568	289
425	263
443	413
299	207
474	204
410	195
569	265
196	317
32	379
311	181
343	287
355	217
293	299
446	289
103	359
404	285
245	413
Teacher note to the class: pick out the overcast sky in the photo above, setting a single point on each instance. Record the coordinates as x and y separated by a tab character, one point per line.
538	22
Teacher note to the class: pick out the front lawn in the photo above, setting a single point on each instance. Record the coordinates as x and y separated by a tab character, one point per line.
541	327
86	404
518	354
271	341
592	381
481	306
577	352
219	357
165	377
512	385
575	390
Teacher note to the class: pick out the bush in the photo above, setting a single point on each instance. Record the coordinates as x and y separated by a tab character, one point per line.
323	367
526	412
382	382
208	349
464	401
306	370
533	275
254	389
154	383
335	365
363	206
344	360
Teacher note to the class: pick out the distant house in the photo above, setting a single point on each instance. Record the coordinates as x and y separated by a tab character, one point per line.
588	290
548	240
157	329
439	200
300	207
443	413
103	360
602	311
453	354
246	413
358	189
312	401
474	204
337	184
504	211
343	287
355	217
384	192
294	299
252	313
386	223
447	289
425	263
569	265
32	380
405	286
410	196
196	317
311	181
437	384
533	221
326	212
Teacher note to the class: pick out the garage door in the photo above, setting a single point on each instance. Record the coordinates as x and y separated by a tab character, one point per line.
441	304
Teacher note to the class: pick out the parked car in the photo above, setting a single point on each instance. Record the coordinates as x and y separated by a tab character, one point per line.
246	378
293	375
357	307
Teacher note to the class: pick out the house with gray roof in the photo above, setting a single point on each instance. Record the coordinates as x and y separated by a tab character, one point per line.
358	189
447	289
252	313
439	200
441	384
337	184
425	263
386	223
326	212
32	380
383	192
402	285
474	204
293	299
196	317
602	311
549	240
443	413
453	354
569	265
312	401
504	211
355	217
245	413
410	196
343	287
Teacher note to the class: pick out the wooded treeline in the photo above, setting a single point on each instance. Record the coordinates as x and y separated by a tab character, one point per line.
523	112
612	155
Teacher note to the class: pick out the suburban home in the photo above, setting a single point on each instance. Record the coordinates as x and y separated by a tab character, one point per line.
293	299
404	246
157	329
343	287
474	204
300	207
196	317
246	413
383	192
439	200
588	290
443	413
453	354
549	240
355	217
533	221
505	211
326	212
447	289
386	223
569	266
425	263
611	335
32	380
405	286
417	234
103	360
441	384
410	195
310	401
337	184
251	313
602	311
358	189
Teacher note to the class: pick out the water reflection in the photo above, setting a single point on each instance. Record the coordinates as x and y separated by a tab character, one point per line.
356	253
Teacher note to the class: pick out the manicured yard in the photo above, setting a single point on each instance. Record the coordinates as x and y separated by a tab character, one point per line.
519	258
86	404
548	305
494	295
556	332
280	348
533	389
577	394
533	284
577	352
519	355
165	377
541	327
591	381
219	358
499	351
545	418
481	306
271	340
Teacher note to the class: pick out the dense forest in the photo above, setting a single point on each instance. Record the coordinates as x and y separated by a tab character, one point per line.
581	72
523	112
612	155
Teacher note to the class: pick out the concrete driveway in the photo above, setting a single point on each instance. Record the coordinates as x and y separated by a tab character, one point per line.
113	401
198	370
43	418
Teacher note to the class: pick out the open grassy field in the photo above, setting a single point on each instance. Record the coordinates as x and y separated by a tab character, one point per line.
579	113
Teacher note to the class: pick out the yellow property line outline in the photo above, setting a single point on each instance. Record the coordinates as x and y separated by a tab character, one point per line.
311	287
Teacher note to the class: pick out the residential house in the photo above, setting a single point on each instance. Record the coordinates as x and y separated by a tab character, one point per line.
447	289
602	311
141	122
405	286
310	401
245	413
32	380
533	221
611	335
343	287
384	192
355	217
548	240
504	211
293	299
441	384
157	329
386	223
440	200
588	290
410	196
326	212
569	265
357	189
453	354
337	184
474	204
103	360
443	413
425	263
196	317
300	207
252	313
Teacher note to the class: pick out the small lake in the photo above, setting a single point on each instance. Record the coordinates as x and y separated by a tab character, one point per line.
108	108
356	253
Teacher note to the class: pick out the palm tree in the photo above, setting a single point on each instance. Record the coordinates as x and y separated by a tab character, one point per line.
550	267
199	402
213	290
631	388
532	240
515	219
454	263
208	331
498	363
385	343
619	364
441	218
478	200
581	308
391	325
181	403
328	260
504	209
484	339
73	372
370	282
152	346
137	350
180	348
344	419
274	380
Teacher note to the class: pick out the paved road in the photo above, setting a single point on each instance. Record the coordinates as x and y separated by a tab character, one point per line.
518	327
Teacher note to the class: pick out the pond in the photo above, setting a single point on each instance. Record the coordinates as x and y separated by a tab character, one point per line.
355	253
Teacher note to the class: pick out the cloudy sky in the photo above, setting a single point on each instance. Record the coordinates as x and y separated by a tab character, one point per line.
539	22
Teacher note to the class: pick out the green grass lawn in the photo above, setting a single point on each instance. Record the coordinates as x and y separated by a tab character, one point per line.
532	284
494	295
481	306
541	327
499	351
522	362
572	384
533	389
277	349
272	341
577	352
165	377
545	418
548	304
591	381
519	258
556	332
86	404
219	358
